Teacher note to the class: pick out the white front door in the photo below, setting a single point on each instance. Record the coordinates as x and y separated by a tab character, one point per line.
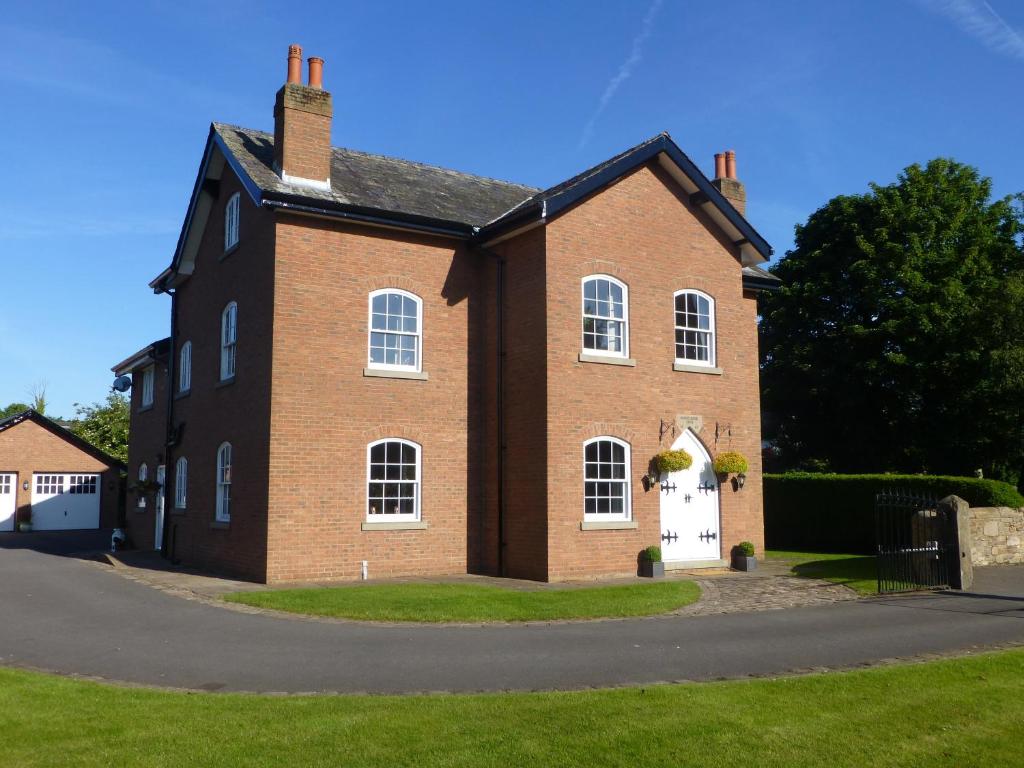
689	506
8	496
65	502
158	535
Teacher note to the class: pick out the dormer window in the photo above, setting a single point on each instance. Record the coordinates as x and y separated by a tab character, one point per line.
231	222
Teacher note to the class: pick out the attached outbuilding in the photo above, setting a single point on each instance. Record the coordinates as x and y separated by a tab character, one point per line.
54	478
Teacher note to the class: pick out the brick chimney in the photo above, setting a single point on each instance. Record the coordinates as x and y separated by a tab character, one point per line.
725	180
302	125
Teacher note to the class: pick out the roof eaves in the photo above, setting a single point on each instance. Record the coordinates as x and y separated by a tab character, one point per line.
64	433
149	353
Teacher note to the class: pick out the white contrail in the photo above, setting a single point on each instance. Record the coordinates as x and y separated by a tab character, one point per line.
979	20
635	55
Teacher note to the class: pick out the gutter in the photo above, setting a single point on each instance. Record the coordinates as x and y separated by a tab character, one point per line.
425	225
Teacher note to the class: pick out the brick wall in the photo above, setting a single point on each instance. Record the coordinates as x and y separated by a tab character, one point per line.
27	447
145	445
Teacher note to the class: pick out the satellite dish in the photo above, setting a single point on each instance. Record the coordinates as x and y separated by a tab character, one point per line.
122	384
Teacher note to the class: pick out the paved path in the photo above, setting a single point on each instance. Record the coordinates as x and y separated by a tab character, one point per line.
71	616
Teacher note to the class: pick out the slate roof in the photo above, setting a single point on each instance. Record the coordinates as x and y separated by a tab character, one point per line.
62	432
377	182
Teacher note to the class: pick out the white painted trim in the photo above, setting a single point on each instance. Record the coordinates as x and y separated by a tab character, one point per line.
370	330
418	484
298	181
712	330
222	515
627	514
232	309
624	354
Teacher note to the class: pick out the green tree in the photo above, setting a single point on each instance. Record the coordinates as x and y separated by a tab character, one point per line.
897	341
12	409
105	425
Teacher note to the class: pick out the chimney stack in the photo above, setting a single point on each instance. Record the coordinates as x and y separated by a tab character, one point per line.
302	125
725	180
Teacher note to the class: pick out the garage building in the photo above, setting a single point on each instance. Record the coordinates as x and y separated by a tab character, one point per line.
54	476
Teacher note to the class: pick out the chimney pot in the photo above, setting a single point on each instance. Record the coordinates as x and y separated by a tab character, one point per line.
730	164
295	64
316	72
719	165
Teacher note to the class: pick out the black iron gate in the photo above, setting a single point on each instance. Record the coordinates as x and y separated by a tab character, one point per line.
916	543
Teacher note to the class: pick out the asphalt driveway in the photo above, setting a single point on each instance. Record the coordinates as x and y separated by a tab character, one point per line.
74	617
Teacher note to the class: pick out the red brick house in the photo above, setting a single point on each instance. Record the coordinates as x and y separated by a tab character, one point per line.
53	478
387	368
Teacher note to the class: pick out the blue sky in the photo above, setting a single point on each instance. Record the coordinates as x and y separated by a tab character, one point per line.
107	106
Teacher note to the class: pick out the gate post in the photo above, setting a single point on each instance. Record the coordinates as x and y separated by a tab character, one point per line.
958	513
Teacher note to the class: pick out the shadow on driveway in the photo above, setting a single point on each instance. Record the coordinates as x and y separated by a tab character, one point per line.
62	543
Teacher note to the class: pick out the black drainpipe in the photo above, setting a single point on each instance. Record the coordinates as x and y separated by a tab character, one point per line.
165	550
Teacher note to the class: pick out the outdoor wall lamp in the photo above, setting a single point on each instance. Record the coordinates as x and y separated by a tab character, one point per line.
741	478
24	485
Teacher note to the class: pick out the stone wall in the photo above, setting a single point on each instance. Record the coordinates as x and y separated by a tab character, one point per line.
997	534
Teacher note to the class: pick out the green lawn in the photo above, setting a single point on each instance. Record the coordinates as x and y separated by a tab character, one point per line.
475	602
855	571
949	713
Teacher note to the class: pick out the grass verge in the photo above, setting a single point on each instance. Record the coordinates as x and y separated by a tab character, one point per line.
948	713
475	602
854	571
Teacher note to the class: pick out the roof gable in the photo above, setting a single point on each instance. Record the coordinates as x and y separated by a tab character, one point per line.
64	434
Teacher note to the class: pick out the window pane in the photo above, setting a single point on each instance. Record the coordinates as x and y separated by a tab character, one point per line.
591	452
379	322
408	454
380	303
602	290
394	304
590	289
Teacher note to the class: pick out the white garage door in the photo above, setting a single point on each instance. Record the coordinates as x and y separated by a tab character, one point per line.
8	493
65	502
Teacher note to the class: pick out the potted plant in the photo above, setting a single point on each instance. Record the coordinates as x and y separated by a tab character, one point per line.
743	557
731	463
25	526
651	565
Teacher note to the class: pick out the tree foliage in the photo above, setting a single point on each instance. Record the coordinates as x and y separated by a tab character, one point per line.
12	409
897	341
105	425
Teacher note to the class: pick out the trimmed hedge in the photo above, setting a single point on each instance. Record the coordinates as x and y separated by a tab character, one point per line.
808	511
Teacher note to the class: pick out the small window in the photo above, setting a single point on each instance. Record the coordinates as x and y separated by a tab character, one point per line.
50	484
82	484
143	476
228	340
148	378
393	480
231	222
695	328
395	330
605	316
606	494
185	367
224	483
180	482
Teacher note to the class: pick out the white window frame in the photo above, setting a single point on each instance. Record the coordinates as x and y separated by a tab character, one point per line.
418	335
417	484
624	352
148	385
231	227
143	477
224	479
710	330
627	512
185	367
180	483
228	341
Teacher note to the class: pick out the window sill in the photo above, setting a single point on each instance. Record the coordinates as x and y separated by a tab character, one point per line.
395	525
221	525
387	373
697	369
144	408
229	251
609	525
224	382
179	511
607	360
183	393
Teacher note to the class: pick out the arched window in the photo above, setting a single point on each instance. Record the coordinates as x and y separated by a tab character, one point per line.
228	340
395	330
392	480
185	367
605	316
606	487
224	482
231	222
180	482
148	382
143	477
695	328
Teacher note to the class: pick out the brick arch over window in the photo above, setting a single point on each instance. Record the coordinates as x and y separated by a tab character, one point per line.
618	429
390	429
602	266
381	282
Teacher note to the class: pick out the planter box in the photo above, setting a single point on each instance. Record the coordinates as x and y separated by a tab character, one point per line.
743	563
652	570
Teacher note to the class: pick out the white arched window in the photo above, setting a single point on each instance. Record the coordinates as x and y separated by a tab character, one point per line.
143	477
695	328
606	487
395	330
392	480
185	367
224	482
605	316
180	482
231	222
228	340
